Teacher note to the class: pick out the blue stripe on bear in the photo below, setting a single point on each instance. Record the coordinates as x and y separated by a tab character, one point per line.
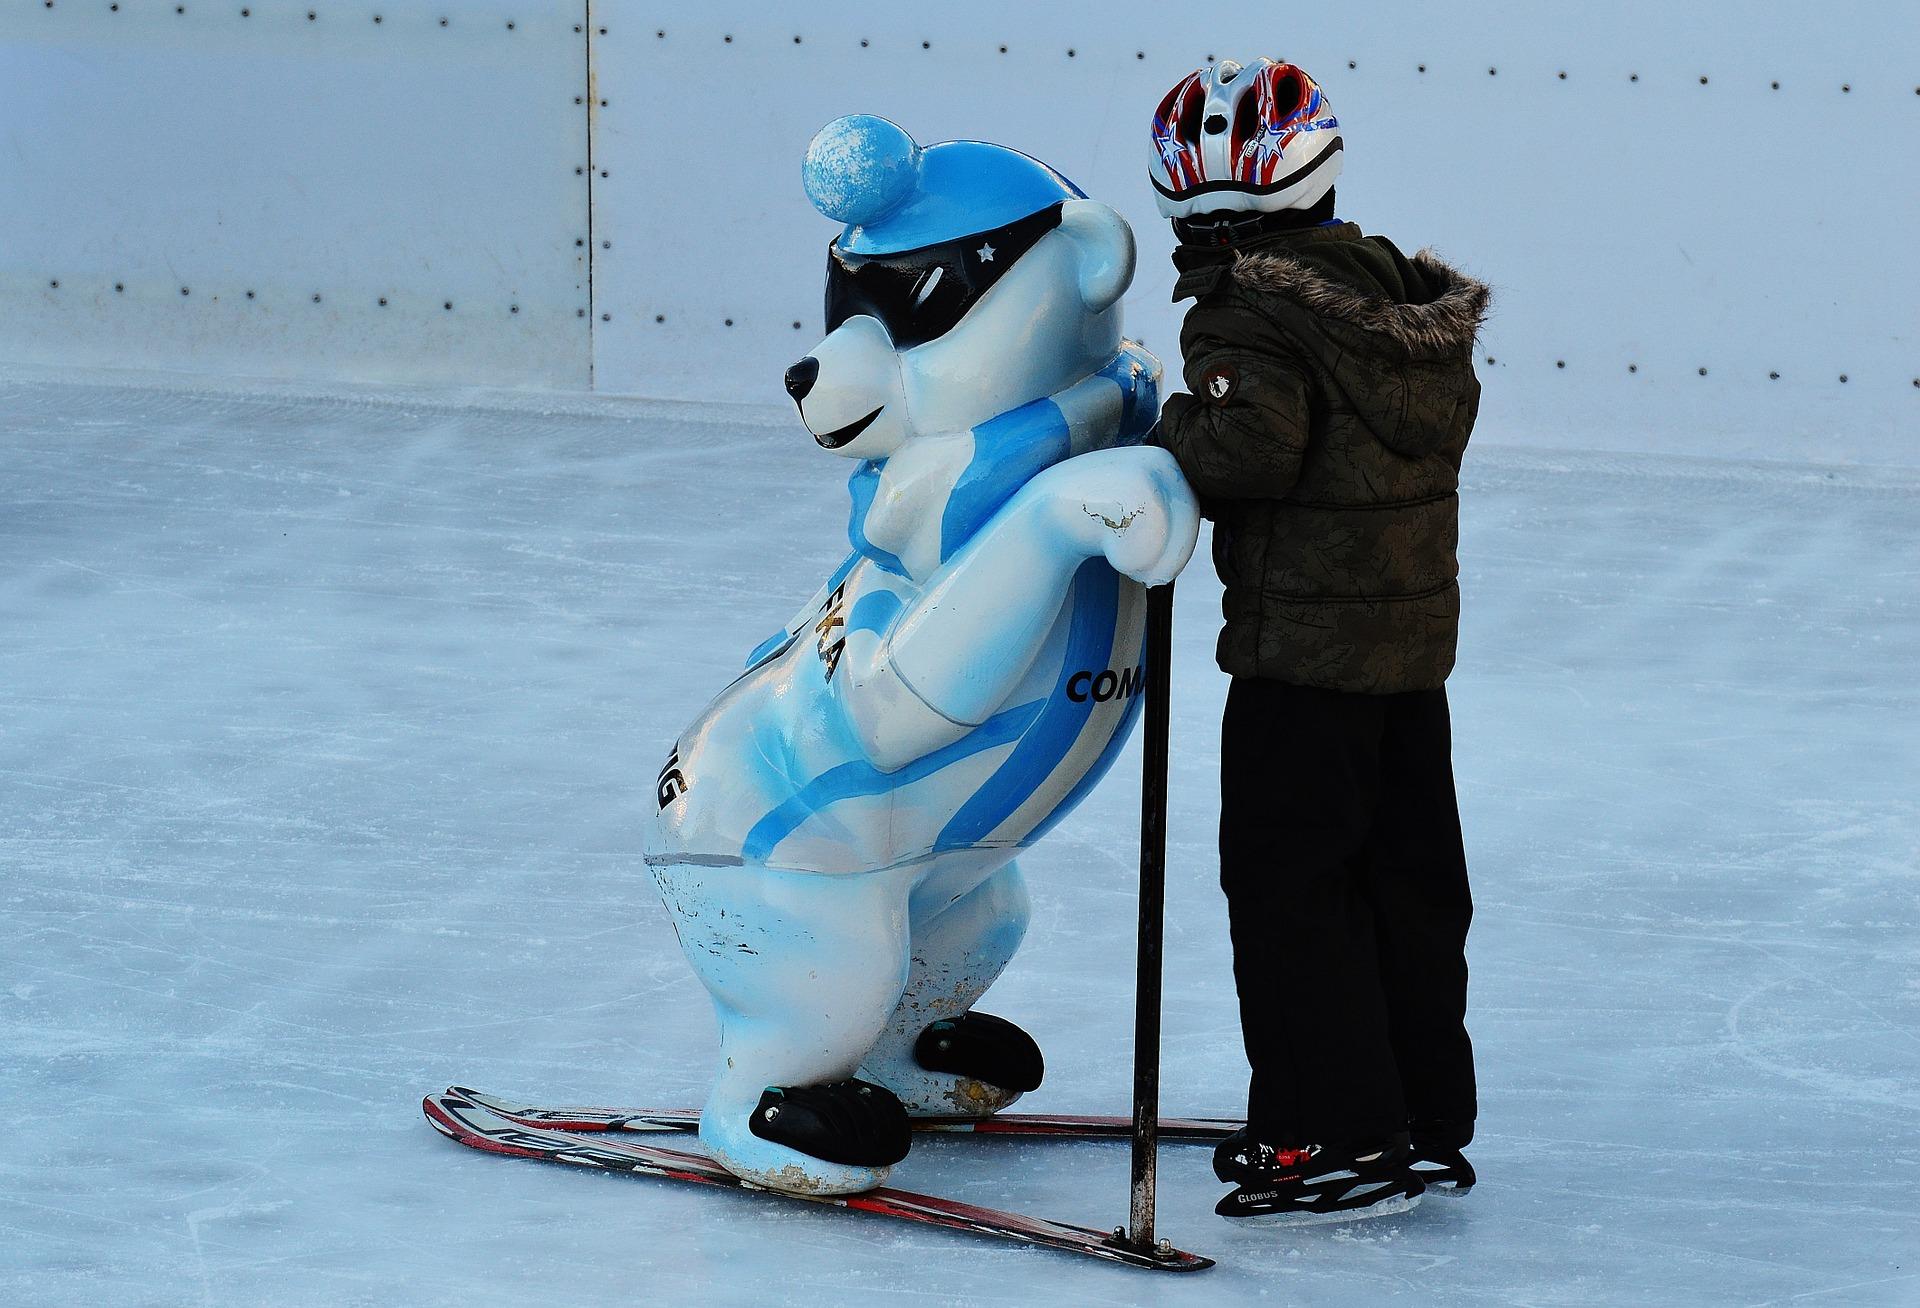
874	611
1007	452
1139	395
1096	607
858	778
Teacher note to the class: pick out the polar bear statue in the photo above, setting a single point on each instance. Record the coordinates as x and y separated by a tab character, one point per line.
836	832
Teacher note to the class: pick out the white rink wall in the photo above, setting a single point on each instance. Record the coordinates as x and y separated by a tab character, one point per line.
236	189
608	192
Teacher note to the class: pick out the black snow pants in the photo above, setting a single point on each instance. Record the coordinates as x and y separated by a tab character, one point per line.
1346	885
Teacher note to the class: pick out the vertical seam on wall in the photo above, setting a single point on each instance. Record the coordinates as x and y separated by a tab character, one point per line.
593	319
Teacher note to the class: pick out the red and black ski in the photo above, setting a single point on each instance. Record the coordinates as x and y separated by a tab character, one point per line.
1198	1129
462	1119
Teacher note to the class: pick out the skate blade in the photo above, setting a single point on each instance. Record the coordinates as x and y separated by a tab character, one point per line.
1385	1208
1448	1191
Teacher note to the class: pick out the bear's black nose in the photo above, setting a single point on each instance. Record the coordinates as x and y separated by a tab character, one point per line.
801	376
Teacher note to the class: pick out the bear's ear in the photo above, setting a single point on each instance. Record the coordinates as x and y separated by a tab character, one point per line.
1106	251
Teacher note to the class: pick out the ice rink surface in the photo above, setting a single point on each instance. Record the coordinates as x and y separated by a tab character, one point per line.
327	726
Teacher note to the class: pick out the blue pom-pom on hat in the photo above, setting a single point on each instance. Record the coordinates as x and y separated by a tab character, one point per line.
859	168
893	195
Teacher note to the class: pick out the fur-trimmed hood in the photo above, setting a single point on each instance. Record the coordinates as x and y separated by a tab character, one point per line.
1444	325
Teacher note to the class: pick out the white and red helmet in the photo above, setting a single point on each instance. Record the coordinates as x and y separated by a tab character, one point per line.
1256	138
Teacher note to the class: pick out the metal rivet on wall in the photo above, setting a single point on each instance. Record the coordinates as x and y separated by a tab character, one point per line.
55	283
1633	367
1776	86
1563	74
1843	377
796	326
1423	67
513	309
926	45
1703	372
1493	72
383	302
316	297
796	40
1845	87
659	317
1070	52
1352	64
606	317
1703	79
186	290
509	24
249	293
1773	376
121	287
1559	363
727	39
729	322
448	306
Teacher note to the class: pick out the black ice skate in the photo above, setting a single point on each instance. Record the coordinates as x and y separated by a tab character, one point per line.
1295	1187
852	1122
1436	1157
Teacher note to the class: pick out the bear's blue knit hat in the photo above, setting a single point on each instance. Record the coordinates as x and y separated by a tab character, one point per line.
894	195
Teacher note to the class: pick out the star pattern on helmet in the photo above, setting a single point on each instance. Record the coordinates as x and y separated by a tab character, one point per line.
986	253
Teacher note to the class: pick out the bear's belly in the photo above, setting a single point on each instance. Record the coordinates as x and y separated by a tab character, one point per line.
771	774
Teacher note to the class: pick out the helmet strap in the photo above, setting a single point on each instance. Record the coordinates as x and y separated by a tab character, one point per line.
1225	227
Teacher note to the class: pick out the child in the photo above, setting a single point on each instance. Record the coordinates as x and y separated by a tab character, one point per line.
1332	395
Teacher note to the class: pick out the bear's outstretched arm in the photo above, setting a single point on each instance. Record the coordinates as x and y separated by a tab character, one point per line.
951	659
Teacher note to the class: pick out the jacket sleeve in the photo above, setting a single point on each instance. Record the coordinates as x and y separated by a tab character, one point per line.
1242	432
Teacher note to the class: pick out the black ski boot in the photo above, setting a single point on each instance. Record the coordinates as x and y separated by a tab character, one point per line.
983	1047
1437	1159
1316	1183
851	1122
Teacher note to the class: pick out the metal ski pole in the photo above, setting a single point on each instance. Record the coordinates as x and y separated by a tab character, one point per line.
1153	865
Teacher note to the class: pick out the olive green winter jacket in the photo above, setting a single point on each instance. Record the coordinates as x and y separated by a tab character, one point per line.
1332	396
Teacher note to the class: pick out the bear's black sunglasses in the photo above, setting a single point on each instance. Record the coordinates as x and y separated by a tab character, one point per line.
920	295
